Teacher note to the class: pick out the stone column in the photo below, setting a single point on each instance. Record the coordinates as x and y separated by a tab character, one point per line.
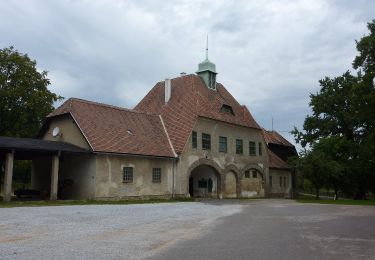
221	181
7	190
54	177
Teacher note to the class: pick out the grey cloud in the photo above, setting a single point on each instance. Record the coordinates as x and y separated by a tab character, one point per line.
269	54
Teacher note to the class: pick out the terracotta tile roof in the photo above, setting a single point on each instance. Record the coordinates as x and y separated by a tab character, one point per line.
276	162
274	137
190	99
117	130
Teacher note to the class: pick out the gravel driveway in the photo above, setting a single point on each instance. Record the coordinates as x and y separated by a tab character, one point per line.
104	231
225	229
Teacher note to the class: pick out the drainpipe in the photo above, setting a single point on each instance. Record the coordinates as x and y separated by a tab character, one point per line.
174	168
173	173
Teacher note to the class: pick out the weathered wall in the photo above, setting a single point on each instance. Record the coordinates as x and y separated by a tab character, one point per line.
252	186
69	131
278	189
230	190
41	174
222	160
81	170
109	177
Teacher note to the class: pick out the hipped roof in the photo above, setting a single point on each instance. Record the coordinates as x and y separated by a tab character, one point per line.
190	99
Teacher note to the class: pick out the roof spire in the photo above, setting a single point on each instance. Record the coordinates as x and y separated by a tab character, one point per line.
207	47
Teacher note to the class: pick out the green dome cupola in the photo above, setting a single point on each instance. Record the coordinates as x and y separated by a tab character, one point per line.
207	71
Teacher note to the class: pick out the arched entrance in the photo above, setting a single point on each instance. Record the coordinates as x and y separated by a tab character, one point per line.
253	182
204	182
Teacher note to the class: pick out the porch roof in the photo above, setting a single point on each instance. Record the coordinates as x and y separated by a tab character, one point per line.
37	146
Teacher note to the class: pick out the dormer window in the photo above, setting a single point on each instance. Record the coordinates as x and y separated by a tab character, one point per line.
226	109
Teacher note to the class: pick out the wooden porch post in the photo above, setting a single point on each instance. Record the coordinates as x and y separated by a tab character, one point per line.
7	190
54	176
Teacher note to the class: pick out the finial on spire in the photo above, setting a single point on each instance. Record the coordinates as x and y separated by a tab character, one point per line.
207	47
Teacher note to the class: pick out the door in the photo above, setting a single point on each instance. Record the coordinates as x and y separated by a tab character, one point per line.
191	186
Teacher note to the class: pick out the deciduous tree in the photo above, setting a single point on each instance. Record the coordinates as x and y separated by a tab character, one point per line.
25	99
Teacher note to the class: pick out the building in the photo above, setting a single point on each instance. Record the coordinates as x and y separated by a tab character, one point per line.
187	137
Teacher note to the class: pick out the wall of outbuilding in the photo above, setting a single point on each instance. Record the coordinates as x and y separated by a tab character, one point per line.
109	177
278	189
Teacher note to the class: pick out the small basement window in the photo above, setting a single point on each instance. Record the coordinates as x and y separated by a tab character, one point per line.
226	109
156	175
127	174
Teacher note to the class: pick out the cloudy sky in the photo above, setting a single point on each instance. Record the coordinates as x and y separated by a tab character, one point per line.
269	54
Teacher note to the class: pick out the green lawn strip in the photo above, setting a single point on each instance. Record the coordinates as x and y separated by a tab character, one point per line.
44	203
338	202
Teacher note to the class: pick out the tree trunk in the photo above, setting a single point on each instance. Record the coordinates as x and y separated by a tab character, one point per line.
336	194
317	193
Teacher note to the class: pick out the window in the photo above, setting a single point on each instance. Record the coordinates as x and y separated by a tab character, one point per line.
156	174
206	141
222	144
260	148
194	140
239	146
255	174
285	182
252	150
212	81
271	181
281	181
226	109
127	174
247	174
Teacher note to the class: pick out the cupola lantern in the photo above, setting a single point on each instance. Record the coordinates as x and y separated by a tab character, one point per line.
207	71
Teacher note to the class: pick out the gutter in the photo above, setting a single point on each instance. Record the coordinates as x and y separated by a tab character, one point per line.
174	164
134	155
80	129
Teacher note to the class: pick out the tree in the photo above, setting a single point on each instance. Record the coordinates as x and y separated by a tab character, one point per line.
342	124
334	151
25	99
311	165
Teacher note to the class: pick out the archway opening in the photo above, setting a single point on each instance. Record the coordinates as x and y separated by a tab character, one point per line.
252	183
204	182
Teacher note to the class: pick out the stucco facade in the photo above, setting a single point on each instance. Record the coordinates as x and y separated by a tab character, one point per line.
187	137
229	166
232	173
110	183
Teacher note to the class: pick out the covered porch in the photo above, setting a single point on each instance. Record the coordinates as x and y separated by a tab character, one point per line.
12	148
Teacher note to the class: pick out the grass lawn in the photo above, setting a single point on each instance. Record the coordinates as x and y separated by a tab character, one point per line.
42	203
310	199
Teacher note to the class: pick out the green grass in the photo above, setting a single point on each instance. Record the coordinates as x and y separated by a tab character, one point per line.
43	203
309	199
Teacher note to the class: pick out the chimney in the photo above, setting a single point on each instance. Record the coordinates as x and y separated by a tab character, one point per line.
168	90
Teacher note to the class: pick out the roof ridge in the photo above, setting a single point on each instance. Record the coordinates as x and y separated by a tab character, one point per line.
178	77
109	106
